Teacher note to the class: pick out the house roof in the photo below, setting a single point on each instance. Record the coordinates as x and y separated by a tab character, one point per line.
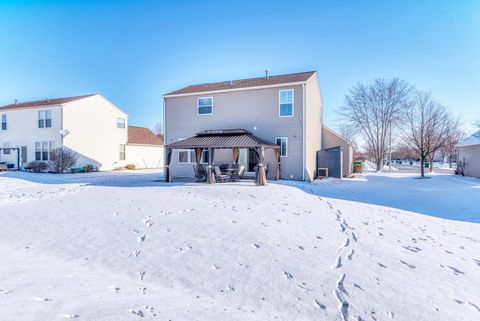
143	136
471	140
222	138
245	83
44	102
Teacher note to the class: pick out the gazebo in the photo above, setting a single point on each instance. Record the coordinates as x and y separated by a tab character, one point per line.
233	139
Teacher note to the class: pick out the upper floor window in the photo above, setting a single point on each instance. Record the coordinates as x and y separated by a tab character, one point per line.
44	118
120	122
283	142
4	121
205	106
285	103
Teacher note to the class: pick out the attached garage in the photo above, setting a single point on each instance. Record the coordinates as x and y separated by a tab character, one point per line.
469	155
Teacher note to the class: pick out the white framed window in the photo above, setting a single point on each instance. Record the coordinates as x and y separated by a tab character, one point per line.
6	151
283	143
205	106
186	156
44	118
44	151
205	156
285	103
122	152
4	121
120	122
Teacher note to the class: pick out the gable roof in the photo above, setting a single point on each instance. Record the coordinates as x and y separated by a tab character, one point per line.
245	83
471	140
44	102
142	136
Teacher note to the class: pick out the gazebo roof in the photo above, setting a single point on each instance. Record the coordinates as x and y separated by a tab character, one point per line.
222	138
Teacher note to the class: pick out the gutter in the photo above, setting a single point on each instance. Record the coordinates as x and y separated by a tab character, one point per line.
304	130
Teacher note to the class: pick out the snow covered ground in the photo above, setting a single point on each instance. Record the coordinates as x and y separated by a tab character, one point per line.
122	246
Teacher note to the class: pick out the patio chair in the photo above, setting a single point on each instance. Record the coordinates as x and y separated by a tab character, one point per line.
219	177
200	172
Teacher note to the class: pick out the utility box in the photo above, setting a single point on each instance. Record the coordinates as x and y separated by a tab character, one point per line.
331	158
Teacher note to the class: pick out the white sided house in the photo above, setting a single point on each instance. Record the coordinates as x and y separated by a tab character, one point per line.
90	125
469	154
285	110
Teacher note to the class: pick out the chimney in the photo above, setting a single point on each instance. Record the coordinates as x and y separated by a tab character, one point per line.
266	74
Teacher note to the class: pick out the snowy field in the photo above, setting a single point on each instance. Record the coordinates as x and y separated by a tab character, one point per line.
120	246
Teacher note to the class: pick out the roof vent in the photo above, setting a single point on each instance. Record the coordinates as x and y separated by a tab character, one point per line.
267	74
16	101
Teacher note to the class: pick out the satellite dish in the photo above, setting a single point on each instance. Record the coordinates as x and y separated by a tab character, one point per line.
64	132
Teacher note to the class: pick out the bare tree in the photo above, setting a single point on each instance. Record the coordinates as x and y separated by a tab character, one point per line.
349	133
372	110
62	159
158	130
476	123
454	135
425	126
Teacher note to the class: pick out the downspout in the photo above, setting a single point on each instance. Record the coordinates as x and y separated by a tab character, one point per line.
304	131
61	124
164	134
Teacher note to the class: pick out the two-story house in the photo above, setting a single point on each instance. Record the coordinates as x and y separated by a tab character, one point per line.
90	125
282	109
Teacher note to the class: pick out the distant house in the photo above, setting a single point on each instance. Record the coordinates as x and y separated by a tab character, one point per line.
469	154
89	125
286	110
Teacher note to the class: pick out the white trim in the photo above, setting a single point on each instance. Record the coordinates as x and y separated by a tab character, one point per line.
304	138
293	103
205	97
286	145
236	89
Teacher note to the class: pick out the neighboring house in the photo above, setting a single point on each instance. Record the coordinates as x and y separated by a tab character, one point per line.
282	109
469	154
89	125
144	149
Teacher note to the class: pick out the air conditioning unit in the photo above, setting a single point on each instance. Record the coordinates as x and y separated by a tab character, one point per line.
322	172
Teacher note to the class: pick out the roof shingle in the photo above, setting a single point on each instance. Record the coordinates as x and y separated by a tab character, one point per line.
44	102
142	136
245	83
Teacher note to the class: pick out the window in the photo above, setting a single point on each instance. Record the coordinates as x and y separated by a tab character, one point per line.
122	152
186	156
120	122
44	118
4	122
205	156
285	103
44	151
283	142
205	106
6	151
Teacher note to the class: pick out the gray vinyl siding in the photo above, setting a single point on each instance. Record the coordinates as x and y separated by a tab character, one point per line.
247	109
471	156
330	139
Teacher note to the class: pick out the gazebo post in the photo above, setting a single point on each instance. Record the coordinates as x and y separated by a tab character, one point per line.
168	172
262	176
278	168
210	174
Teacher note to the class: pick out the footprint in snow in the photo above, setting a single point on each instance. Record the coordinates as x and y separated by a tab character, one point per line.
137	312
455	270
255	245
115	289
408	264
338	262
40	299
288	275
320	305
70	316
141	238
382	265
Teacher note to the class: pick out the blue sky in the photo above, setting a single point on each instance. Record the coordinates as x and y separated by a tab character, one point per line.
132	52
